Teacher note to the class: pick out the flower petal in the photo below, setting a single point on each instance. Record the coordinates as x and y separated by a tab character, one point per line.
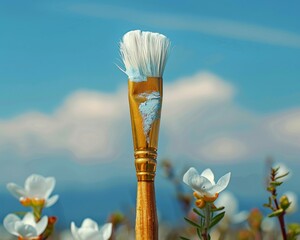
207	173
222	183
240	217
106	231
28	219
51	201
50	184
74	231
229	201
41	225
268	224
196	182
89	223
16	190
89	234
25	230
9	223
35	186
190	174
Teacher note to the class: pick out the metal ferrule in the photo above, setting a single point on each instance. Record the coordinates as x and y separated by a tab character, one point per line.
144	142
145	164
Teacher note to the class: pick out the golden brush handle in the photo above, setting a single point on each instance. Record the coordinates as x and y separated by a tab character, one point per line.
145	141
146	227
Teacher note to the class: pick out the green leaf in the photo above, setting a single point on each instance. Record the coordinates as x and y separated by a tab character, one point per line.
266	205
275	169
199	233
281	176
275	184
294	228
217	209
197	212
183	238
276	213
216	219
192	223
269	206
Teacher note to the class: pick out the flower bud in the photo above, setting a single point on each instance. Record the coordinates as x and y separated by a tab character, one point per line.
52	220
26	202
255	219
200	203
210	199
197	195
50	227
284	202
116	218
244	235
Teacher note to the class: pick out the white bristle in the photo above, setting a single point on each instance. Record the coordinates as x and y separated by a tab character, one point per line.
144	54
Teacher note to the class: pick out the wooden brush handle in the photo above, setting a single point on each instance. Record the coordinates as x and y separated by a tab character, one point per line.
146	227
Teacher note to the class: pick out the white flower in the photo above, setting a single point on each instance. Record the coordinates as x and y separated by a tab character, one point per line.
204	184
89	230
268	225
35	187
228	200
25	228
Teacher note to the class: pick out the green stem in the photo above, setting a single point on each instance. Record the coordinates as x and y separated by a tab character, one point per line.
207	221
281	216
37	212
281	221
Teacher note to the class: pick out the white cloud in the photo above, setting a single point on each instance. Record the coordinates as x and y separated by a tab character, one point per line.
200	121
285	127
211	26
224	149
85	125
88	104
202	88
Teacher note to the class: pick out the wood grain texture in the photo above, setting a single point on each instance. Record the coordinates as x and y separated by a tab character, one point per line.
146	227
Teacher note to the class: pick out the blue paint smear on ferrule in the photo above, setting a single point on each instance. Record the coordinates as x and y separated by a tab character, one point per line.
150	110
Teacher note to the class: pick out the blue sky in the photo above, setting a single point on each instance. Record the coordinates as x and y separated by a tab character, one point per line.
42	44
232	88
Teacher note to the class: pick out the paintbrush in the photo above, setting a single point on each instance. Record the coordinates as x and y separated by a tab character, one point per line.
144	55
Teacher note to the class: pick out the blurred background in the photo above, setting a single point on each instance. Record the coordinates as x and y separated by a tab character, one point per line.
231	100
